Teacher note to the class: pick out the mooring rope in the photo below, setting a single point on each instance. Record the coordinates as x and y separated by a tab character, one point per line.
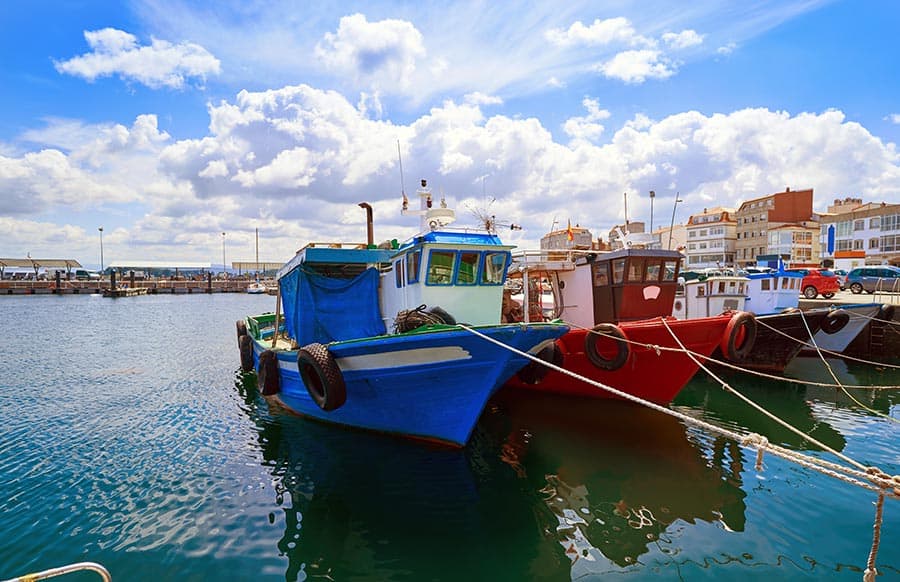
871	478
812	339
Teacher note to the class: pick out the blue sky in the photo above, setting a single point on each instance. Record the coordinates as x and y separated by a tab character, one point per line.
170	122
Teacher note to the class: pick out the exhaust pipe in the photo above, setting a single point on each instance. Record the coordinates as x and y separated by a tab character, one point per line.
370	233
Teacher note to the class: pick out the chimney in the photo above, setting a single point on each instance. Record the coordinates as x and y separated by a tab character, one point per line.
787	189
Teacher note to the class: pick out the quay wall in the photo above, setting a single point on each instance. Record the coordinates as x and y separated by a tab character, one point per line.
153	287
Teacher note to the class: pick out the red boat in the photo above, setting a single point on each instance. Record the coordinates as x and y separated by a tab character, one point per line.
618	305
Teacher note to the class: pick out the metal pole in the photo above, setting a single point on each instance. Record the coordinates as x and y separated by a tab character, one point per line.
223	255
672	224
652	196
101	248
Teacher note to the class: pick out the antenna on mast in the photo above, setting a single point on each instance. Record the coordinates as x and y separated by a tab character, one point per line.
402	188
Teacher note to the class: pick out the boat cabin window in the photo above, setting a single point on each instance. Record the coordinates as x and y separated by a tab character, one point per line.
413	262
635	270
721	286
495	265
618	270
670	271
468	268
440	267
463	267
601	274
398	273
653	270
764	284
701	290
785	282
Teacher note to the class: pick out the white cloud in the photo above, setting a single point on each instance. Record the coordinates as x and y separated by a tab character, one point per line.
586	127
638	66
683	39
161	64
599	33
894	118
382	54
726	49
478	98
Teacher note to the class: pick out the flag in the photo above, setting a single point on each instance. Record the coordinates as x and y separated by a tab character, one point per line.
570	234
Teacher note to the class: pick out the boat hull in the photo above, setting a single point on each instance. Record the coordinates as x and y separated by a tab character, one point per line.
657	376
779	339
430	385
860	318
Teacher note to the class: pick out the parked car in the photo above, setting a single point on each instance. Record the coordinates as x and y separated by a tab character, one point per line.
872	279
84	275
842	277
818	282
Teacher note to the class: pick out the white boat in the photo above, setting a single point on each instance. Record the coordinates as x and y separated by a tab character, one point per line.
256	287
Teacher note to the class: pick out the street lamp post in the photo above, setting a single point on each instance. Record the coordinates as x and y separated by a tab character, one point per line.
652	196
101	248
223	255
672	224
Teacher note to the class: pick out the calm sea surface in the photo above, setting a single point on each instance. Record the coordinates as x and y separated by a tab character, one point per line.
128	437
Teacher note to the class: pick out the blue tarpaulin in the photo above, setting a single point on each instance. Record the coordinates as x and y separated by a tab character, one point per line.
324	309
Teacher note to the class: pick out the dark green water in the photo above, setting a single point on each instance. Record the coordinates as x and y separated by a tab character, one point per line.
128	437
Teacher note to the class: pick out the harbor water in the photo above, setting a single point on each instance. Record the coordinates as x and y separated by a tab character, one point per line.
129	437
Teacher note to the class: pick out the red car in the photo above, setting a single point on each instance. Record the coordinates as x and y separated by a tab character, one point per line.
818	282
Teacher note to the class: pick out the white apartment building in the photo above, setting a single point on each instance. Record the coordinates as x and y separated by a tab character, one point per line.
711	238
864	234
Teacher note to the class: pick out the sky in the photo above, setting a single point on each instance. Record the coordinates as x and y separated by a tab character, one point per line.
167	123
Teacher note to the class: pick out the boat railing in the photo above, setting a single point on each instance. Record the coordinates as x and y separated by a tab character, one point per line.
332	245
886	290
546	260
68	569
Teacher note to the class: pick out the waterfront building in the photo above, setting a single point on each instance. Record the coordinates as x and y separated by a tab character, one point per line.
711	237
755	218
853	233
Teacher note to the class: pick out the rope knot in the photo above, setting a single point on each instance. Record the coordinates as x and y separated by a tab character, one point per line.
755	439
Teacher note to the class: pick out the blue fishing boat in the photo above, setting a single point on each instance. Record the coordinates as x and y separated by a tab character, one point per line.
369	335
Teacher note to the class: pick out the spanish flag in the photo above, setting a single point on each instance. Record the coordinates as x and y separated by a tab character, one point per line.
570	234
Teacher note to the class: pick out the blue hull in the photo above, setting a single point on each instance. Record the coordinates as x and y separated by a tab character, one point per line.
430	386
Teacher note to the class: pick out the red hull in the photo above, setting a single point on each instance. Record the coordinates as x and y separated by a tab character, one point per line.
645	374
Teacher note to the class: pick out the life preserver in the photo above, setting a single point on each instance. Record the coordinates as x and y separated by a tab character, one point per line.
321	376
603	331
886	313
245	346
267	377
535	372
835	321
740	334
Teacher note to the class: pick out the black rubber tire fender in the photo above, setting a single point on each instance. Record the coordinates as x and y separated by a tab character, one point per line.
535	372
321	376
835	321
734	347
245	346
603	331
268	379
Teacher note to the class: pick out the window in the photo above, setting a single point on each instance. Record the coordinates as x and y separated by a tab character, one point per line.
859	224
890	222
857	245
873	243
413	261
601	274
635	270
653	270
494	271
468	268
670	271
398	273
618	270
440	267
765	284
875	222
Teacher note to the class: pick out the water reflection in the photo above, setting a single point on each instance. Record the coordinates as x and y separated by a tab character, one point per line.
614	476
365	506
